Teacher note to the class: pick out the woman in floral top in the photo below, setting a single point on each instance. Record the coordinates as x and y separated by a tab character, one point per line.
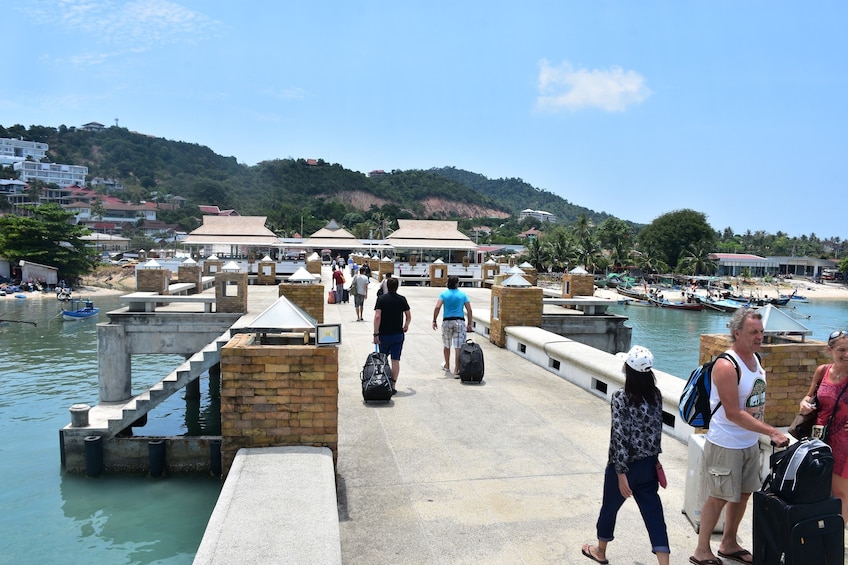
635	438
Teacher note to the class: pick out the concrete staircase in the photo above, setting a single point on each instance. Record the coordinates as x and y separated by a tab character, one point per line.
108	419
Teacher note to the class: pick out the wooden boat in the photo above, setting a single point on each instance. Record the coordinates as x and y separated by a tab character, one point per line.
631	292
722	305
676	305
79	310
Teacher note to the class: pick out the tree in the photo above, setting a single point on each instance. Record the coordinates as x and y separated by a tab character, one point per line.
617	237
675	231
45	236
696	260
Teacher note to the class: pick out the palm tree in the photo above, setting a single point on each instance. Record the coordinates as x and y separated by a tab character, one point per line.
696	260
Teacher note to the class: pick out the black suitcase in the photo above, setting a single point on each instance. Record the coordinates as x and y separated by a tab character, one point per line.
797	534
345	295
471	366
376	378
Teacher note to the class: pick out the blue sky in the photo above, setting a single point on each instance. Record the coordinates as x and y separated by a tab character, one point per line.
733	108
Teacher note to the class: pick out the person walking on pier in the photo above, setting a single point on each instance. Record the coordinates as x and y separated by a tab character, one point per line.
738	398
453	322
339	279
359	286
392	317
633	466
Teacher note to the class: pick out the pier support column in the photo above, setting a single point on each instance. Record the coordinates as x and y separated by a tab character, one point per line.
215	381
193	390
114	368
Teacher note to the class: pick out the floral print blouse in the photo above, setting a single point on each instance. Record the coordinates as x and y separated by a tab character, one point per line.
635	433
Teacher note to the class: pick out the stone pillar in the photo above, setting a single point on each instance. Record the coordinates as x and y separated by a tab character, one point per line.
314	267
489	269
231	292
191	274
386	266
577	285
438	274
114	367
266	273
307	297
531	275
277	395
374	265
152	280
789	366
212	267
513	306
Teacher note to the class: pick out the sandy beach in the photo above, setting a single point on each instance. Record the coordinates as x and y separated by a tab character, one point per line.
806	288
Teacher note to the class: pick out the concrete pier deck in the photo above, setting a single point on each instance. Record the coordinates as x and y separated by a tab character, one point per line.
506	472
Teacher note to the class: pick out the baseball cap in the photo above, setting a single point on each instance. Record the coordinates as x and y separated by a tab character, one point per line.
640	359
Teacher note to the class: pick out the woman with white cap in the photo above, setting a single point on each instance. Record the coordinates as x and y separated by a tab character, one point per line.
632	466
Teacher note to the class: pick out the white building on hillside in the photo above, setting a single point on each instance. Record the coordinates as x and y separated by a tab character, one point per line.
17	150
540	215
62	175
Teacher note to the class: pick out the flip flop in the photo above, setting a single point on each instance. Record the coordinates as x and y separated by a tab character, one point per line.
737	556
588	553
705	561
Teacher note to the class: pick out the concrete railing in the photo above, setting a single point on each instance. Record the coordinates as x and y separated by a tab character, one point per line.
592	370
278	505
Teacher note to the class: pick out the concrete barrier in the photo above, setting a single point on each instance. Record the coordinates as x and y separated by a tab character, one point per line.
278	505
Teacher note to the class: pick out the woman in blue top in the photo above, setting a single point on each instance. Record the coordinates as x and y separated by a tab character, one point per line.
453	323
635	437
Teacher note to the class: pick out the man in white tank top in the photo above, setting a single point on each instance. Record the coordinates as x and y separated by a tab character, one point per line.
731	452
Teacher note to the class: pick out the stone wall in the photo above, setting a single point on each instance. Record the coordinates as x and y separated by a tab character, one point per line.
307	297
513	306
438	274
789	369
266	273
314	267
212	267
277	396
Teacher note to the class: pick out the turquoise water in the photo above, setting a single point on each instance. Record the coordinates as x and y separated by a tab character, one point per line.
673	336
48	516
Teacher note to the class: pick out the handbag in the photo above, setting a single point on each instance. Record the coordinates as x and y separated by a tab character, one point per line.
661	478
802	425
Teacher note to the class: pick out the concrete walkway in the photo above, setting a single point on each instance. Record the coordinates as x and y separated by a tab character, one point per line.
509	471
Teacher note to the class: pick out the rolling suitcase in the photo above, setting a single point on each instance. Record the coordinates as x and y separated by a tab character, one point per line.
331	297
376	377
345	296
471	366
797	534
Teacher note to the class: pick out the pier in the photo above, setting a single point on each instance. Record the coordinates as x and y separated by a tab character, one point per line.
509	471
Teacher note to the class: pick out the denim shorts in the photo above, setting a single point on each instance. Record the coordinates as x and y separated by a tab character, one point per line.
392	345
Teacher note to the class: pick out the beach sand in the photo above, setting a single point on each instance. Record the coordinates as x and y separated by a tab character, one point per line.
806	288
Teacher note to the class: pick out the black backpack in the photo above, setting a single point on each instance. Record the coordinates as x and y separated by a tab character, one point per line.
376	378
801	473
471	367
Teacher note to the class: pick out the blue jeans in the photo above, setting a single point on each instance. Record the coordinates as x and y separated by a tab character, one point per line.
642	477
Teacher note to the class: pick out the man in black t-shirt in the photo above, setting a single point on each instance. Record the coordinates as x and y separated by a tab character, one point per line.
391	321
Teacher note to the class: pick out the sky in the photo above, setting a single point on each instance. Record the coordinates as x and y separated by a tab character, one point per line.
736	109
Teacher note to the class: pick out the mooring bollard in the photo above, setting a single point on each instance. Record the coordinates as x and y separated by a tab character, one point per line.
156	452
215	457
93	455
79	415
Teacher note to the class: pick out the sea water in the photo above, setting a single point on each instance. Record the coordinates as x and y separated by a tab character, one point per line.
673	336
49	516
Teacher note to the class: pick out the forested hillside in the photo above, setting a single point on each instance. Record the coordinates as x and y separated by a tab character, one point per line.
291	192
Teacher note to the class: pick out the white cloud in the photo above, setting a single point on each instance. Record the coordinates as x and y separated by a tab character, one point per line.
564	87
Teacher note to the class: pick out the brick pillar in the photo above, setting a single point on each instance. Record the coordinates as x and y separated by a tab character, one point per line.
213	267
314	267
266	273
191	274
277	395
531	275
374	265
152	280
789	367
577	285
307	297
231	292
386	266
489	269
438	274
513	306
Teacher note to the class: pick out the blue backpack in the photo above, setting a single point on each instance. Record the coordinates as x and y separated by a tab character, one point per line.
694	406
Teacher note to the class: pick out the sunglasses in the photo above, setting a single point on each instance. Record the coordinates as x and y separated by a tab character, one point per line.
836	335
